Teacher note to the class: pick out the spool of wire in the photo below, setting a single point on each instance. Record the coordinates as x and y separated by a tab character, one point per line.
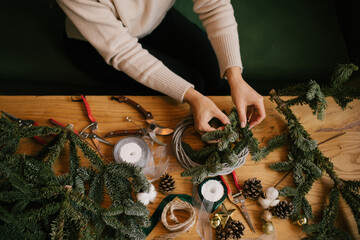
186	161
132	150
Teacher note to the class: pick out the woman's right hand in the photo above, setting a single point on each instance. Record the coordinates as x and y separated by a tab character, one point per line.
203	110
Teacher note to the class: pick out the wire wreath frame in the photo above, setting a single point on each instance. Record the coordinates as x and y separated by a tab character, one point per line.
187	163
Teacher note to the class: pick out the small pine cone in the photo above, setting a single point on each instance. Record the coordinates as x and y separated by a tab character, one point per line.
253	189
235	229
220	233
284	209
166	184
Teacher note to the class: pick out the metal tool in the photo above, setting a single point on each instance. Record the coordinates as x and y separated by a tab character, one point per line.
238	199
151	130
93	125
143	131
93	135
25	123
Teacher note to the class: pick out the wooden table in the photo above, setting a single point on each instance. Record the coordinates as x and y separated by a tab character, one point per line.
344	151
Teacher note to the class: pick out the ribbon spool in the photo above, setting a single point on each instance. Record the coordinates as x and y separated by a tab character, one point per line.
132	150
213	190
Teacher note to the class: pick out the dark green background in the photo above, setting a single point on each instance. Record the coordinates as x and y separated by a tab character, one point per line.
281	42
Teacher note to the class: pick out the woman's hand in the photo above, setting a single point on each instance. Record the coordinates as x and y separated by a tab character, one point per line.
249	103
203	110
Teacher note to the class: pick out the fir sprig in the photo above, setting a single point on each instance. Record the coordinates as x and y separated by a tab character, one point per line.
37	204
307	162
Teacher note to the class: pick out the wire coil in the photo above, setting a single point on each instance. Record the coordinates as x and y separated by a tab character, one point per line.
186	161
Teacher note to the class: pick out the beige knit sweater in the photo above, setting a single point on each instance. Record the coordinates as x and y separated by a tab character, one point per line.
114	26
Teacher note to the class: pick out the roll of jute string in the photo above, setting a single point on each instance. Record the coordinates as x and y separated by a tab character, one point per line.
177	228
187	163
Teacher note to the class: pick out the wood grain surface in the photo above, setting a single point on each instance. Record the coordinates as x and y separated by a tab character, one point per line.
110	115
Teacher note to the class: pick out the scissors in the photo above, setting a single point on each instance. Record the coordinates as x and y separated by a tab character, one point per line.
151	130
238	199
25	124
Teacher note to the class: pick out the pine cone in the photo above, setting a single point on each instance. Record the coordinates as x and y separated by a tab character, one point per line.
284	209
166	184
220	233
235	229
253	189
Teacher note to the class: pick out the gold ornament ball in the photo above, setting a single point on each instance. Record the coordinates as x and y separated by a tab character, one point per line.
301	221
215	221
266	216
268	228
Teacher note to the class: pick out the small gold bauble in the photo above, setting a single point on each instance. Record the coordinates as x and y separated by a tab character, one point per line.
268	228
215	221
301	221
266	216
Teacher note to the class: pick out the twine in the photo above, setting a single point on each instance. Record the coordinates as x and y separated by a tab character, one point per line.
177	228
187	163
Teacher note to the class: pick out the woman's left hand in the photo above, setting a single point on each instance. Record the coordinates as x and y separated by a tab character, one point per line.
249	103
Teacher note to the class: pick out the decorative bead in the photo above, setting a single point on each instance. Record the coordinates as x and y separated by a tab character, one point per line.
266	216
268	228
301	221
215	221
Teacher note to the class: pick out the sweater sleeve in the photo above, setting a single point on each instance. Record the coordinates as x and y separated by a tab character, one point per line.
218	19
100	27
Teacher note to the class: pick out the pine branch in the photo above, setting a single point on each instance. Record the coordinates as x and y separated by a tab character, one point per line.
34	202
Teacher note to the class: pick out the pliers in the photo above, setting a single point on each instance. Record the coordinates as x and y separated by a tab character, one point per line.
82	134
25	124
151	130
238	199
93	126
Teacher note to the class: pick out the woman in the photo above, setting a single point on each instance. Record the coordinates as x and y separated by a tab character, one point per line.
150	42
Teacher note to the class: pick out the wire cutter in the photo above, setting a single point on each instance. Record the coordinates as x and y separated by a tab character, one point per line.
151	130
25	124
83	134
238	199
93	125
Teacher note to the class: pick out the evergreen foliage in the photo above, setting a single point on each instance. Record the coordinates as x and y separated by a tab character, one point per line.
325	229
37	204
229	143
307	162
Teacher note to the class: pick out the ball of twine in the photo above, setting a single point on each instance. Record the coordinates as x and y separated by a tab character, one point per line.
186	161
177	228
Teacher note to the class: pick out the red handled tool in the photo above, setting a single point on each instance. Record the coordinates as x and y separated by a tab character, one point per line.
25	123
238	199
93	125
56	123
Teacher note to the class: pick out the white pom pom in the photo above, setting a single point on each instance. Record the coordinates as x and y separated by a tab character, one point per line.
265	203
271	193
275	202
147	197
